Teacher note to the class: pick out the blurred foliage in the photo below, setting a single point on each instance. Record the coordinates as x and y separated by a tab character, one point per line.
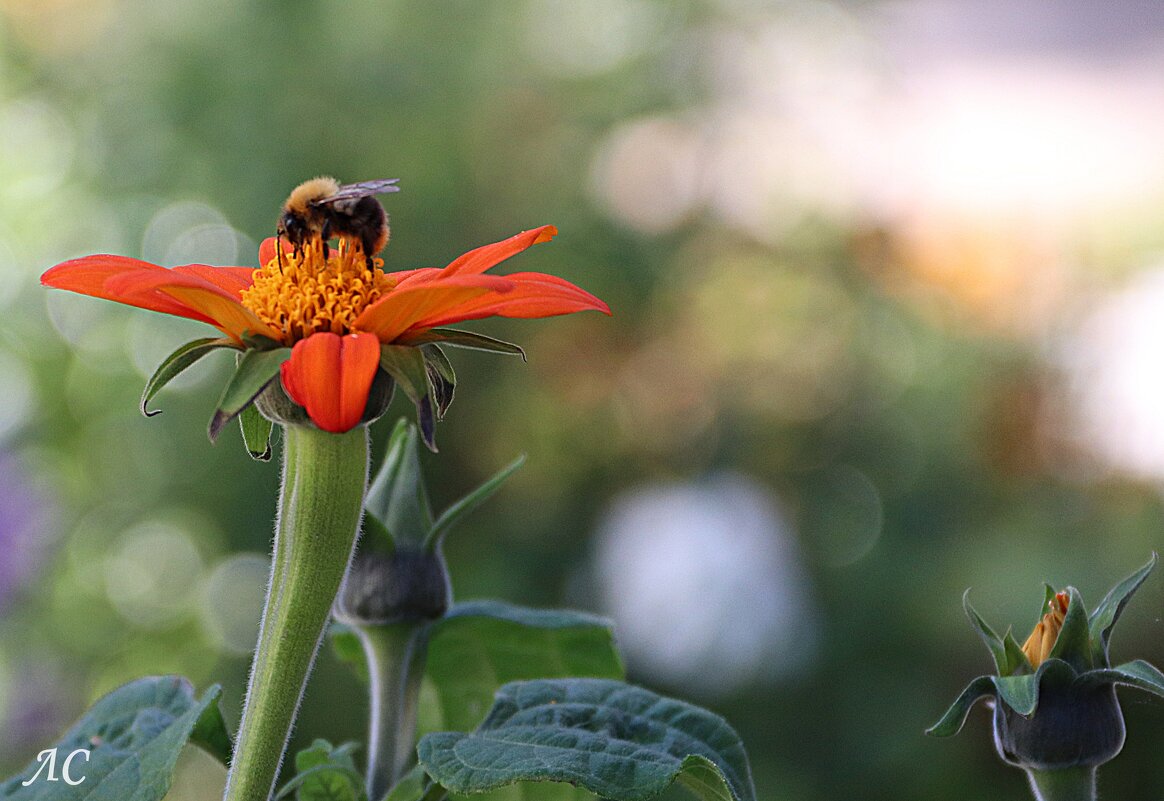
800	353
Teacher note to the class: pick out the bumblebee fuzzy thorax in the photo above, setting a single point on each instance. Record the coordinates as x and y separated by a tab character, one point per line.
310	191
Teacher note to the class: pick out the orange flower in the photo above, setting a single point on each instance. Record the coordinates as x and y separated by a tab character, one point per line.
336	314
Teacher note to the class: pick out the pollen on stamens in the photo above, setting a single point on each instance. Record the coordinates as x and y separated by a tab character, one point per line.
301	293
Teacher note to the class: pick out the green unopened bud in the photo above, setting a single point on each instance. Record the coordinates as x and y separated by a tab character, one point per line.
1075	725
1055	709
394	587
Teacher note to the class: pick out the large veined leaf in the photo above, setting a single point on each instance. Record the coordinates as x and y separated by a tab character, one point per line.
479	646
325	773
620	742
133	736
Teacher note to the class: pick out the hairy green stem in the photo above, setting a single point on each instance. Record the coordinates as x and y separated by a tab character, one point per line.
1068	784
320	503
395	654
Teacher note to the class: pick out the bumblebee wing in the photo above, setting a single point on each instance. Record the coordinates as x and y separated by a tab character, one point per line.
357	191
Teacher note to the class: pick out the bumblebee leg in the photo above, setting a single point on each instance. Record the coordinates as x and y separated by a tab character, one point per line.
368	243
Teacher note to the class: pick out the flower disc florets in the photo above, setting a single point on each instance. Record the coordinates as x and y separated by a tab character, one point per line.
301	293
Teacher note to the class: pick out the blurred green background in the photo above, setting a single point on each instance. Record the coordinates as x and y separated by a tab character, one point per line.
887	282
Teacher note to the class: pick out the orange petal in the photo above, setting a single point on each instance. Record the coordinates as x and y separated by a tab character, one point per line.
400	309
90	276
233	279
267	249
329	376
486	256
533	295
219	305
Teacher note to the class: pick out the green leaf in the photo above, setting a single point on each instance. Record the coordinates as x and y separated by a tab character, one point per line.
346	646
211	734
465	339
1136	673
134	735
478	646
256	432
1104	618
534	791
458	510
397	498
407	367
617	741
442	380
324	773
1073	645
255	370
411	786
955	717
175	364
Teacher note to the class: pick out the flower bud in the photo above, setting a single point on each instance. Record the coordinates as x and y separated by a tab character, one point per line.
1075	725
389	587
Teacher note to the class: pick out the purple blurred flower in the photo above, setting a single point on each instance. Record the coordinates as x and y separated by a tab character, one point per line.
23	528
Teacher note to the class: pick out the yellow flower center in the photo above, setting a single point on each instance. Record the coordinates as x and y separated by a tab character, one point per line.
1038	646
302	293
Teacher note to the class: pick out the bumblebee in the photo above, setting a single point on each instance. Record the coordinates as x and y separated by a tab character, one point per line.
323	208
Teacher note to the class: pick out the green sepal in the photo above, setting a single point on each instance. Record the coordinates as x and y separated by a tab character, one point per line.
1016	659
256	433
993	641
614	739
955	717
1073	645
1021	693
1104	618
468	503
134	735
176	363
256	369
324	773
397	498
407	366
1048	596
442	379
1137	673
465	339
260	342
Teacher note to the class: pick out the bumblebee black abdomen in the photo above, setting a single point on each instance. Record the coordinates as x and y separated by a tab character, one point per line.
359	218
